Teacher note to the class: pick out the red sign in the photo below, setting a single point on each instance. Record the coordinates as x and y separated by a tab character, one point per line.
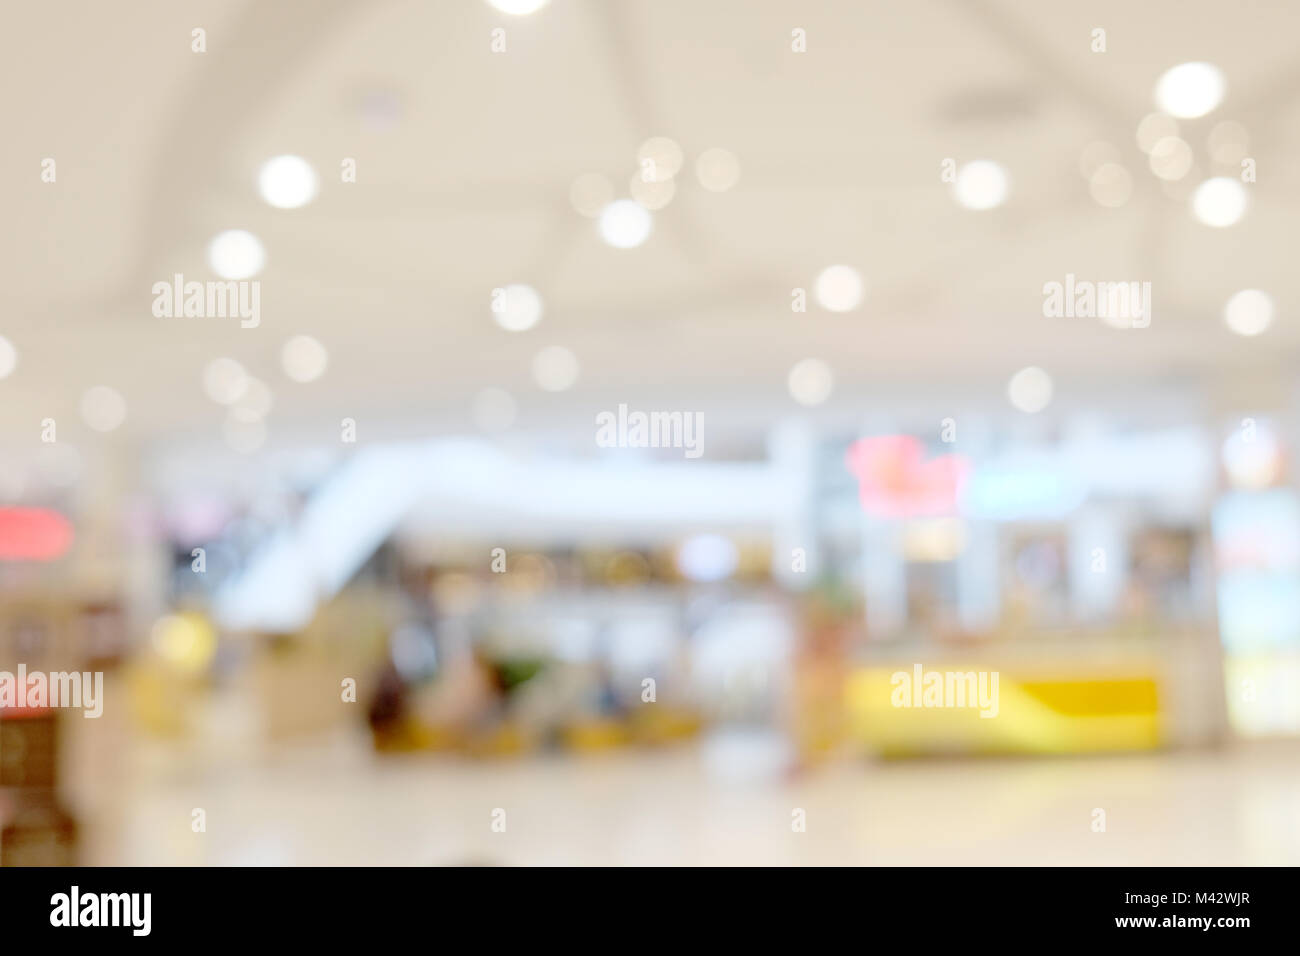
895	481
33	534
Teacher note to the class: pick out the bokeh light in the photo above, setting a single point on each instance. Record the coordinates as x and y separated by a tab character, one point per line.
1220	202
981	184
625	224
717	169
839	288
287	182
1190	90
517	307
103	408
1249	312
1030	390
303	358
810	382
236	254
555	369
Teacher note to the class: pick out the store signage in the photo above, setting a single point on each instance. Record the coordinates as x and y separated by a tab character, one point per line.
895	480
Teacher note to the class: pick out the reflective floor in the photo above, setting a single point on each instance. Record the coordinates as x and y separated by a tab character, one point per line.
725	800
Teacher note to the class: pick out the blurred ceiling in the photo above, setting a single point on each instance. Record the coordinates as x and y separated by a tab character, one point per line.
465	160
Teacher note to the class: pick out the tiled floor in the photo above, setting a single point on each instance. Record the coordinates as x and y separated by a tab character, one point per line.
336	803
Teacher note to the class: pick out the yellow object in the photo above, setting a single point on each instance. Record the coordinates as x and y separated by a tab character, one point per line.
595	734
434	737
660	724
160	703
505	740
1033	715
186	641
412	735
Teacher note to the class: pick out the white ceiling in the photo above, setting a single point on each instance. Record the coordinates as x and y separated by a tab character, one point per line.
157	150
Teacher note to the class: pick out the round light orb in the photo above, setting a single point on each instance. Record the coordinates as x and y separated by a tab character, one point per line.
1030	390
236	254
517	307
1249	312
287	182
1190	90
555	369
224	380
981	184
103	408
625	224
810	382
1220	202
304	359
658	160
717	169
839	288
